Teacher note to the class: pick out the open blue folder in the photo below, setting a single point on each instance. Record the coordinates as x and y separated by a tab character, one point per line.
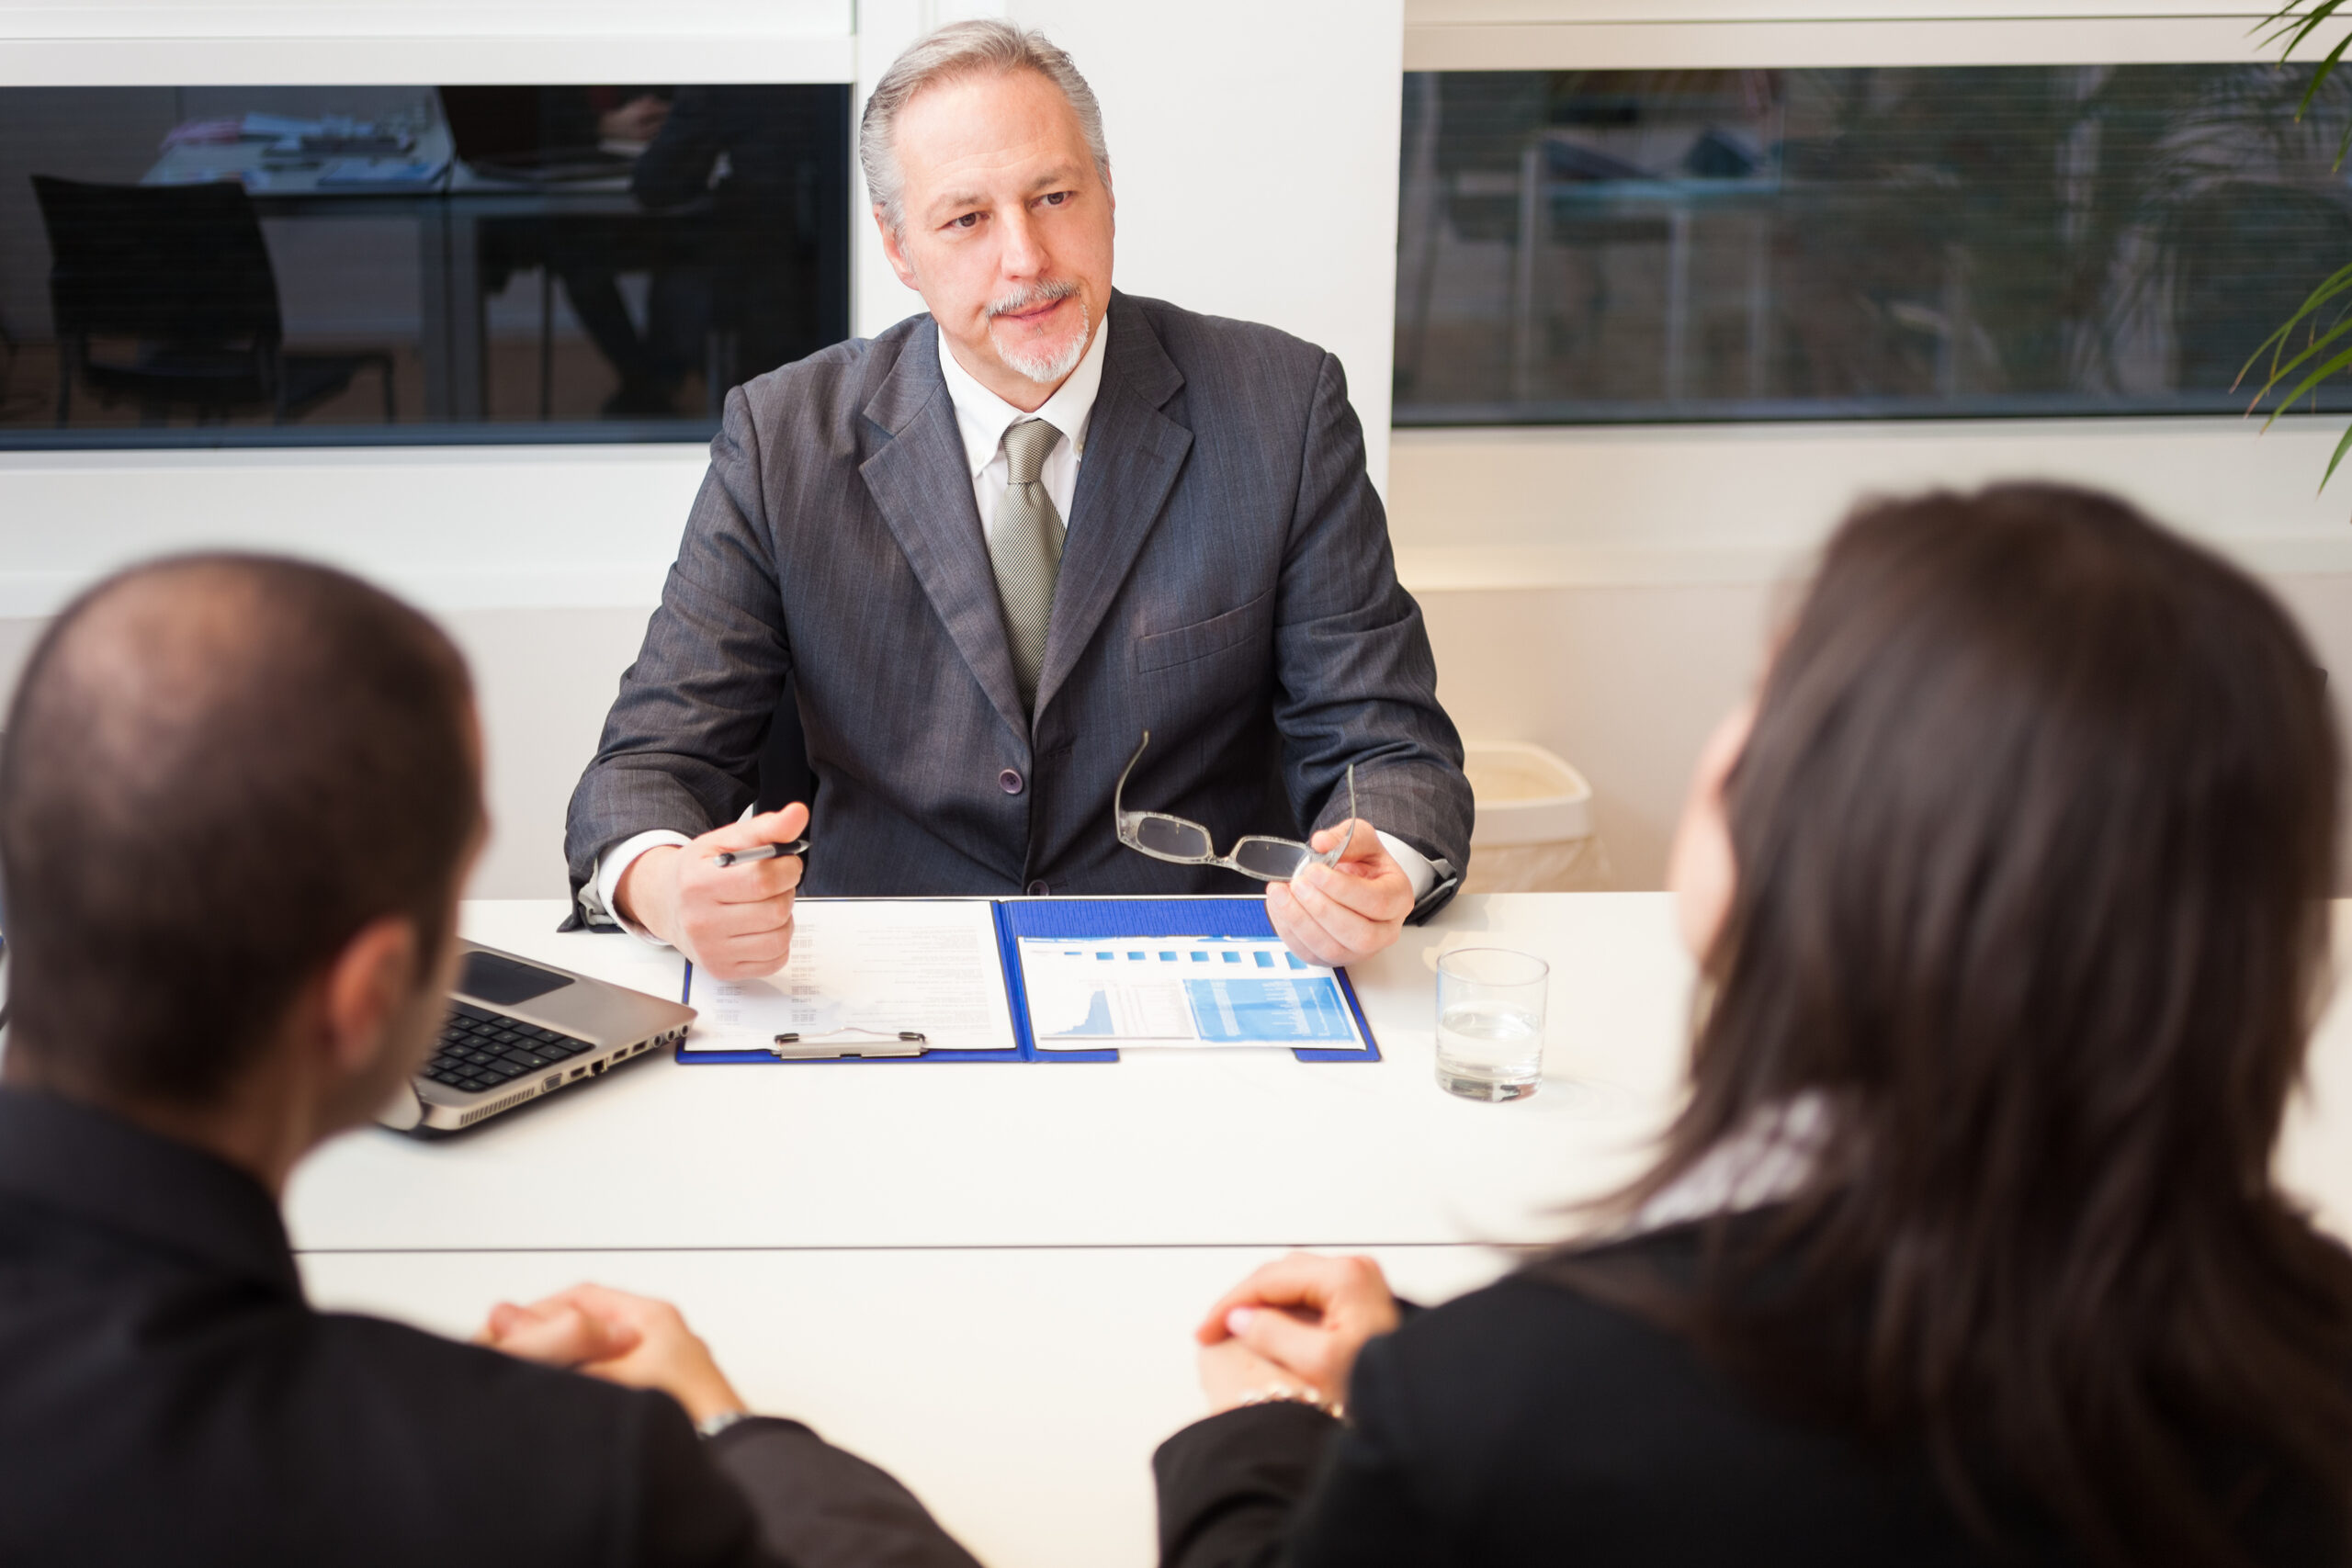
1082	919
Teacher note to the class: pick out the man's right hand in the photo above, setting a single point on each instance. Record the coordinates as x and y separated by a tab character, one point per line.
734	922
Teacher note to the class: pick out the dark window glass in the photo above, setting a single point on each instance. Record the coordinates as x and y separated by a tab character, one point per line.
1593	247
269	265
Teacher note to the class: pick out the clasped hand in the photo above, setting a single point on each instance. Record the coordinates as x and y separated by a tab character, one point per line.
631	1340
1294	1327
1342	913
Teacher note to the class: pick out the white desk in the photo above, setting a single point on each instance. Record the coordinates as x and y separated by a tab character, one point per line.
984	1277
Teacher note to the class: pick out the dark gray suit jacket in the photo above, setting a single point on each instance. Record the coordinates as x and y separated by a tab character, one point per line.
1226	584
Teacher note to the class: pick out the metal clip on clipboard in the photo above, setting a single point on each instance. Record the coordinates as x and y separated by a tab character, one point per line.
863	1044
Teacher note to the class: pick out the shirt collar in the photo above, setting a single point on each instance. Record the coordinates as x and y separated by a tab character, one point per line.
117	1176
1765	1160
982	417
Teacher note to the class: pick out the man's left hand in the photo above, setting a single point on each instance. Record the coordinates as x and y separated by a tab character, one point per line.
634	1341
1339	914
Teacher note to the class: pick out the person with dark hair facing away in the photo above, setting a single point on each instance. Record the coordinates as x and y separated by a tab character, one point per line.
237	798
2011	915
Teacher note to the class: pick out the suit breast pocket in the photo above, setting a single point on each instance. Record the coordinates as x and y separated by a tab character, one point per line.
1203	639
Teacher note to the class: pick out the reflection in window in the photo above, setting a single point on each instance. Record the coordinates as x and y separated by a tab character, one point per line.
1585	247
304	264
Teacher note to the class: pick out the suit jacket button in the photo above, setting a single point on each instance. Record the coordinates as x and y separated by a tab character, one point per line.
1037	889
1011	781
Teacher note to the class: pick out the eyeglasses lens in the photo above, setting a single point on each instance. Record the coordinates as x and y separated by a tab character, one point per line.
1178	841
1277	859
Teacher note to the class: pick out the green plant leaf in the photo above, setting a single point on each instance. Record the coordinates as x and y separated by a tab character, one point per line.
2329	367
2294	366
2294	24
2338	284
2342	446
2282	369
2319	76
2301	26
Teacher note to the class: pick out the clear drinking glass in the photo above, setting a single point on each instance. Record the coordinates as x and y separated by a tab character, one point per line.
1490	1022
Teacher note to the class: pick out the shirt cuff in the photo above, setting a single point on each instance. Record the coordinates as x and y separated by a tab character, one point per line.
618	859
1415	863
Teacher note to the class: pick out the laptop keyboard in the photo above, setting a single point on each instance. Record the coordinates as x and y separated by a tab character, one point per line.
481	1049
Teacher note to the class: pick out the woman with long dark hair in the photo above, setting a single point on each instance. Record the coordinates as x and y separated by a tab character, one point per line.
2011	910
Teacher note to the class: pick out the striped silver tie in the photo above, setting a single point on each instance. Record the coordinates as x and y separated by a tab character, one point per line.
1025	546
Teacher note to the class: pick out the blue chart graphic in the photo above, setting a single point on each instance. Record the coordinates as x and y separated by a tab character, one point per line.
1272	1011
1098	1017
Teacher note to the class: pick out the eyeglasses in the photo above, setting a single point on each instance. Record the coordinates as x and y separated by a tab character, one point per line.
1185	843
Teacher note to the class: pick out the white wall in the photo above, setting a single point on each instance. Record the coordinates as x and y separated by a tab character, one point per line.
1254	147
1255	180
1603	592
1608	594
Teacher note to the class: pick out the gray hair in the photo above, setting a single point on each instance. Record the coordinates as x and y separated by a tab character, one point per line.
960	50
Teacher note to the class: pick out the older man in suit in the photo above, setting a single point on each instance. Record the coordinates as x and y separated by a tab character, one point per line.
883	526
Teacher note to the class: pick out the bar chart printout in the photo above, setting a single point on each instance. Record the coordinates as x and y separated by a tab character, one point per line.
1188	991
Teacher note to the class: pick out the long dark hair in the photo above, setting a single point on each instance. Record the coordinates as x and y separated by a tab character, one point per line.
2034	835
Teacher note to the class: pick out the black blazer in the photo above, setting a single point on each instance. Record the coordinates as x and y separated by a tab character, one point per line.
1529	1423
166	1397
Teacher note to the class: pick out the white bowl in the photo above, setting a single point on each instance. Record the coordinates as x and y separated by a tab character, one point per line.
1525	796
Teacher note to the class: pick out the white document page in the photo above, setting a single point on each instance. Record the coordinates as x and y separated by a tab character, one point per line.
1213	991
868	967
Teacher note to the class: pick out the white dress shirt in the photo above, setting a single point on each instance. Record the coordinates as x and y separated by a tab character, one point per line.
982	418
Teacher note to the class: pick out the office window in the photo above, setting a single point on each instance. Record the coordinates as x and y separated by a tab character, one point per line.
1600	247
305	265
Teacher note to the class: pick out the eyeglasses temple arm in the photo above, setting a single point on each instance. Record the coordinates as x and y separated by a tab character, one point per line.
1119	790
1350	836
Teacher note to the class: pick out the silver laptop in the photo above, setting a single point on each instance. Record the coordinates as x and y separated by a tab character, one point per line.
519	1028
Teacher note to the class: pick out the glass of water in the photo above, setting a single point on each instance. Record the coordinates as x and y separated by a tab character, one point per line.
1490	1022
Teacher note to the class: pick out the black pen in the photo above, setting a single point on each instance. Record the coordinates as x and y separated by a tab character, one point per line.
764	852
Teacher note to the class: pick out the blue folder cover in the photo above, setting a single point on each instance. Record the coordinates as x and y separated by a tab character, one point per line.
1082	919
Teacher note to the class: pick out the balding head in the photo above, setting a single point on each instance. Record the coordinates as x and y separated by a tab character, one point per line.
216	769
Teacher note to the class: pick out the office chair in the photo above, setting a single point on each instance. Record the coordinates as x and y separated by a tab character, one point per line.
181	277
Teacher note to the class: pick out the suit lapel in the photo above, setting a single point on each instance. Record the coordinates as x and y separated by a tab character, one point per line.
1133	453
923	481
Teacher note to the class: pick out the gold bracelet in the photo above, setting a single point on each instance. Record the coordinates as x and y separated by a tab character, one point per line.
1283	1393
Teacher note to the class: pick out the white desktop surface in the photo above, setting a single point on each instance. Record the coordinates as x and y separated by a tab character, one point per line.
985	1277
1166	1147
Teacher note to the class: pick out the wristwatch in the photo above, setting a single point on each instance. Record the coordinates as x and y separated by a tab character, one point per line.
711	1426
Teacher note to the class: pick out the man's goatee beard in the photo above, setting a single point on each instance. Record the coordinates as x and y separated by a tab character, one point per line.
1040	364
